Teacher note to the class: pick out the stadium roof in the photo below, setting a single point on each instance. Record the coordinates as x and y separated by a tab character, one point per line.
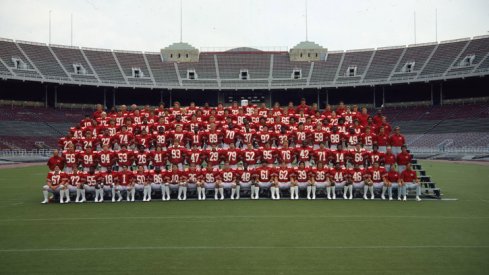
180	46
244	49
307	45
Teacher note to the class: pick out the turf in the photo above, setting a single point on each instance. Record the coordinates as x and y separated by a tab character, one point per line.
243	237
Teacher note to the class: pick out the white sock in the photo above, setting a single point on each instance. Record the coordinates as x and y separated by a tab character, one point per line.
119	194
292	190
257	190
203	192
345	190
133	192
221	191
371	188
145	193
180	189
383	190
83	192
296	192
199	192
328	191
313	190
184	192
45	193
233	191
78	194
277	193
237	191
216	193
308	191
167	188
163	193
67	194
252	192
61	195
113	192
272	191
365	190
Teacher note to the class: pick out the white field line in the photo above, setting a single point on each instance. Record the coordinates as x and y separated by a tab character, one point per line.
22	250
218	217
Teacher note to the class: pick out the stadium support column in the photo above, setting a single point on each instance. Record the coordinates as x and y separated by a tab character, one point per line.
318	101
383	96
46	96
171	98
441	94
105	98
374	97
161	96
113	97
55	96
327	97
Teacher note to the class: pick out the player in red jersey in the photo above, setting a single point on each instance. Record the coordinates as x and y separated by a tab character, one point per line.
87	158
141	182
160	138
213	156
303	179
125	157
397	140
158	158
264	136
378	179
368	139
304	153
125	182
268	154
244	177
196	137
394	181
144	139
70	157
320	179
106	158
175	154
156	179
389	159
382	140
104	139
225	180
178	181
358	156
56	182
76	179
250	156
319	135
209	177
409	180
338	176
264	178
335	138
403	159
357	179
108	179
213	136
286	154
141	157
283	174
321	154
352	139
55	160
93	184
232	156
376	156
230	134
65	141
339	155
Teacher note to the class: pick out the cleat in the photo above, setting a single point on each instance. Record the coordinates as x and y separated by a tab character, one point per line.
120	199
45	201
390	198
418	198
132	199
113	199
399	198
351	197
344	197
404	199
365	197
372	197
383	197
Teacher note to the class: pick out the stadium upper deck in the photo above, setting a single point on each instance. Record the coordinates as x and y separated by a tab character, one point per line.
264	70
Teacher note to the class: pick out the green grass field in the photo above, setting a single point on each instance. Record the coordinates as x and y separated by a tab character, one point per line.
243	237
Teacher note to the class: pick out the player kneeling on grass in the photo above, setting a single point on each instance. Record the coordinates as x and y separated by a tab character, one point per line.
394	181
125	183
56	182
378	176
409	180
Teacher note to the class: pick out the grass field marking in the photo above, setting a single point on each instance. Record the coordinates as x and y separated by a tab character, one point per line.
22	250
238	217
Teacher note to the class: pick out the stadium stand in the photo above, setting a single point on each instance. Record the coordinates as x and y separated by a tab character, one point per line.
44	60
106	66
